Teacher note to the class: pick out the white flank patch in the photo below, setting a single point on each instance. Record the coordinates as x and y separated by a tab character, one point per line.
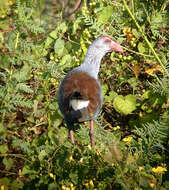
79	104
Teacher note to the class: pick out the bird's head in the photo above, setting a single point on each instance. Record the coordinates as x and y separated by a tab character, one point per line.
106	44
96	51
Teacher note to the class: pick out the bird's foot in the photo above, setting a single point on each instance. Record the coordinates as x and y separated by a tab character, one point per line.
91	133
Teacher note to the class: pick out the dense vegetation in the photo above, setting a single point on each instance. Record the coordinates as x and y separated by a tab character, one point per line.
40	41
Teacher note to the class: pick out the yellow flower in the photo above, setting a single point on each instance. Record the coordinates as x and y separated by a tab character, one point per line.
98	153
16	11
2	16
87	185
63	187
151	184
91	182
140	168
81	160
71	186
128	139
128	32
159	169
89	147
2	187
116	128
70	158
51	175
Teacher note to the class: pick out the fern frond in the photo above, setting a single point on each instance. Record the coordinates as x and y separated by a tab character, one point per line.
161	85
153	135
24	88
23	145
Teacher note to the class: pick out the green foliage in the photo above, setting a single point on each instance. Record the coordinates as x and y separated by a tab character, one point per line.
124	105
152	136
38	46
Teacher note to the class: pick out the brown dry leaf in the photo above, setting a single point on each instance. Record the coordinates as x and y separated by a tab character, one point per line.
153	70
136	70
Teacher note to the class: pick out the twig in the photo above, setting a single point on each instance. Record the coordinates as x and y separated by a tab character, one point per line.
67	38
75	8
13	133
16	155
7	172
138	52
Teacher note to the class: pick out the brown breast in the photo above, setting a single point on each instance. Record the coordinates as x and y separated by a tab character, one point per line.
80	85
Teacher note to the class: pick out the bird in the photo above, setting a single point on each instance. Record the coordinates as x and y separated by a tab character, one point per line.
80	95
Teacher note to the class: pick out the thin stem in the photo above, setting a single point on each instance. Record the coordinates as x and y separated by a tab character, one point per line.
137	53
16	43
145	38
165	3
47	105
15	155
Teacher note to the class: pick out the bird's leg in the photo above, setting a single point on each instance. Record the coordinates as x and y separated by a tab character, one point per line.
71	136
91	133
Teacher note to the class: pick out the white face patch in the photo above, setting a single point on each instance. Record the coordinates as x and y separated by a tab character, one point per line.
79	104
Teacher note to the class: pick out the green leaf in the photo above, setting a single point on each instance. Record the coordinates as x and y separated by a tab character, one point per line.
48	42
112	94
142	48
54	34
136	33
57	118
5	181
112	56
53	137
27	170
63	27
76	24
42	155
51	38
105	15
147	94
59	47
144	182
110	97
74	177
65	61
8	163
17	184
1	38
3	148
125	105
52	186
104	88
53	106
3	131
